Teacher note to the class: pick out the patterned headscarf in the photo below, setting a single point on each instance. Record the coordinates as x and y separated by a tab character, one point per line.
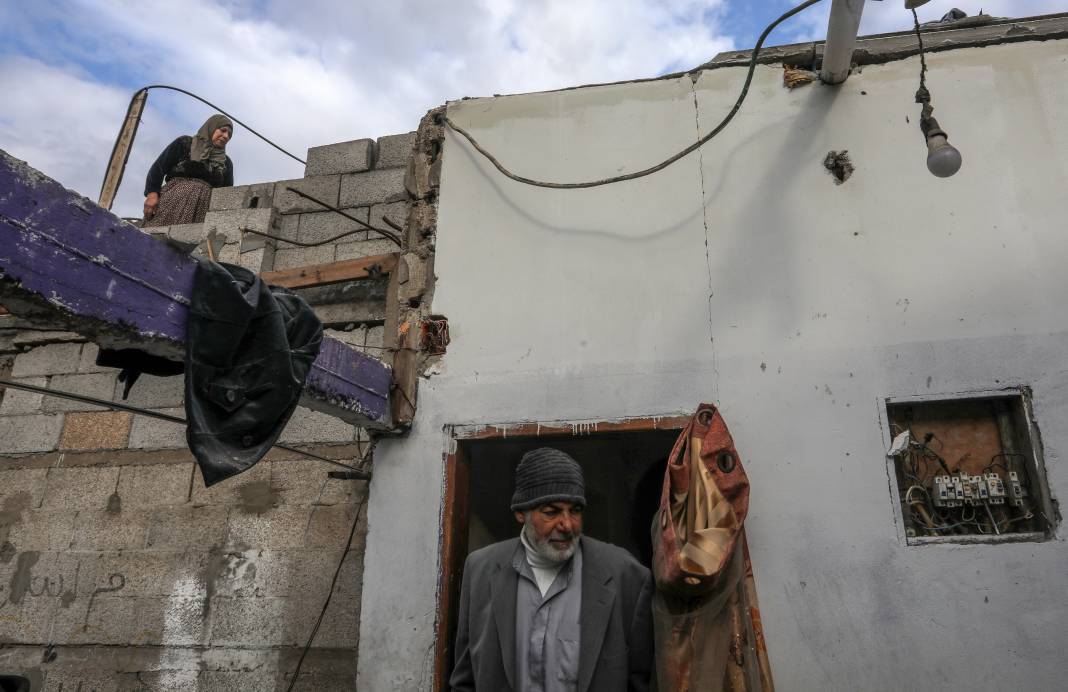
203	150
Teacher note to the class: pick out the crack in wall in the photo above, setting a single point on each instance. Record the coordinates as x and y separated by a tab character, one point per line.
704	221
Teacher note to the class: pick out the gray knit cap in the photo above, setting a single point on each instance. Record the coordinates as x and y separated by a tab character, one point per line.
547	475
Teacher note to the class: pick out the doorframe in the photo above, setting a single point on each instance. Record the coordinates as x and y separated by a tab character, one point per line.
455	506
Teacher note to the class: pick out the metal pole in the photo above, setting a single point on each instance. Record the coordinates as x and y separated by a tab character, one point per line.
120	153
842	28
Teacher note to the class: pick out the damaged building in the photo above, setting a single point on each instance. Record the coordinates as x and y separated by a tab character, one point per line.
879	340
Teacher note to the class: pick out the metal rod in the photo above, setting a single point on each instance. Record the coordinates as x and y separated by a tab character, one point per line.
119	406
350	217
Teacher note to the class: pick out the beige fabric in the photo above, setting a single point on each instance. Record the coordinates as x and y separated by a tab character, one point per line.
706	523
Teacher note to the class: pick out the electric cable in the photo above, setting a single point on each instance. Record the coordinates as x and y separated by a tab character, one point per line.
381	231
119	406
209	103
666	162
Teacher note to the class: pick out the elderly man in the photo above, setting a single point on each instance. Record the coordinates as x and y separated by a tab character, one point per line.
553	610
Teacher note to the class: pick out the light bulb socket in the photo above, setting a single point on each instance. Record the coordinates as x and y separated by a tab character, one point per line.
930	128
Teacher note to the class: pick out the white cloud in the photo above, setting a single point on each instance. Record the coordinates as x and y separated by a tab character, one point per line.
316	72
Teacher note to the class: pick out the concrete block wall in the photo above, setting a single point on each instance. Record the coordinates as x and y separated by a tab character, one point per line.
118	569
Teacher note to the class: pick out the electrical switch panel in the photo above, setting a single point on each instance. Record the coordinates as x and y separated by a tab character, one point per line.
1016	491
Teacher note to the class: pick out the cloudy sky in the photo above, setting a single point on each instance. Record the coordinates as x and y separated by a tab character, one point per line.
320	71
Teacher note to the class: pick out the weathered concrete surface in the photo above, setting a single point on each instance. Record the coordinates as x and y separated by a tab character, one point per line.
63	256
647	297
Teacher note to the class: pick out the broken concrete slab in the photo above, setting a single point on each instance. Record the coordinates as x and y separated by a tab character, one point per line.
64	259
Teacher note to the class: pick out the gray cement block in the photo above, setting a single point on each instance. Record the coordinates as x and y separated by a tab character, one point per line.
302	257
373	187
365	248
15	401
33	433
52	359
252	622
36	338
231	222
375	336
154	485
305	482
279	527
43	530
187	526
395	150
397	213
187	232
149	433
356	336
329	527
322	187
245	490
87	362
100	385
343	157
80	487
340	313
99	529
155	392
21	489
290	228
320	226
255	196
314	427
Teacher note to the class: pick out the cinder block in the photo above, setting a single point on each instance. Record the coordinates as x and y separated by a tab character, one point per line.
373	187
87	363
302	257
343	157
187	526
233	491
290	228
36	338
365	248
395	150
329	527
255	196
33	433
155	485
52	359
257	261
277	528
232	222
187	232
21	489
79	487
44	530
321	187
321	226
96	430
111	620
100	529
150	391
397	213
356	336
150	433
252	622
100	385
315	427
16	401
305	482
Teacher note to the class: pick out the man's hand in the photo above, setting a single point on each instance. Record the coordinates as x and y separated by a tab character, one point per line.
151	202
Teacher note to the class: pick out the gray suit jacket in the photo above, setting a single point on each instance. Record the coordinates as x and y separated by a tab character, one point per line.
615	637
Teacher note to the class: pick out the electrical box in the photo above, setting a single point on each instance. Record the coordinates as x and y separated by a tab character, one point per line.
969	469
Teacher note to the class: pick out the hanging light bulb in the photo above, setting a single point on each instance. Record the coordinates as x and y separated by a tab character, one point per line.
943	159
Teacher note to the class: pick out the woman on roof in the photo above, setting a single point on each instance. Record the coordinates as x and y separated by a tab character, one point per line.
192	166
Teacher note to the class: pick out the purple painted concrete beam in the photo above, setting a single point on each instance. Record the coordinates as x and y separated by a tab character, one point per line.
67	263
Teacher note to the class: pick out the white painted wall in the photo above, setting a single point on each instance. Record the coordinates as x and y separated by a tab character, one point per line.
743	275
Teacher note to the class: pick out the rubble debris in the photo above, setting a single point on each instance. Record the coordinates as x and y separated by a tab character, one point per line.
793	77
839	164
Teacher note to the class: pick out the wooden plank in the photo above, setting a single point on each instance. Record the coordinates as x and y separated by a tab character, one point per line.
120	154
372	266
455	518
70	264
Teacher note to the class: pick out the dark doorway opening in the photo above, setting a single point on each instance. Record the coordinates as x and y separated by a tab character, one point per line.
623	464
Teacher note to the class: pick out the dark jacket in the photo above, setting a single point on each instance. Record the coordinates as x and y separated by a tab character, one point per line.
173	162
616	637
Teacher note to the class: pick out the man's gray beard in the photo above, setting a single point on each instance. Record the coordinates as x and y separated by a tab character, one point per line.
545	549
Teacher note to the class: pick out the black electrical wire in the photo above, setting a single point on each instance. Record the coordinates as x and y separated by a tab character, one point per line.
119	406
663	164
381	231
209	103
